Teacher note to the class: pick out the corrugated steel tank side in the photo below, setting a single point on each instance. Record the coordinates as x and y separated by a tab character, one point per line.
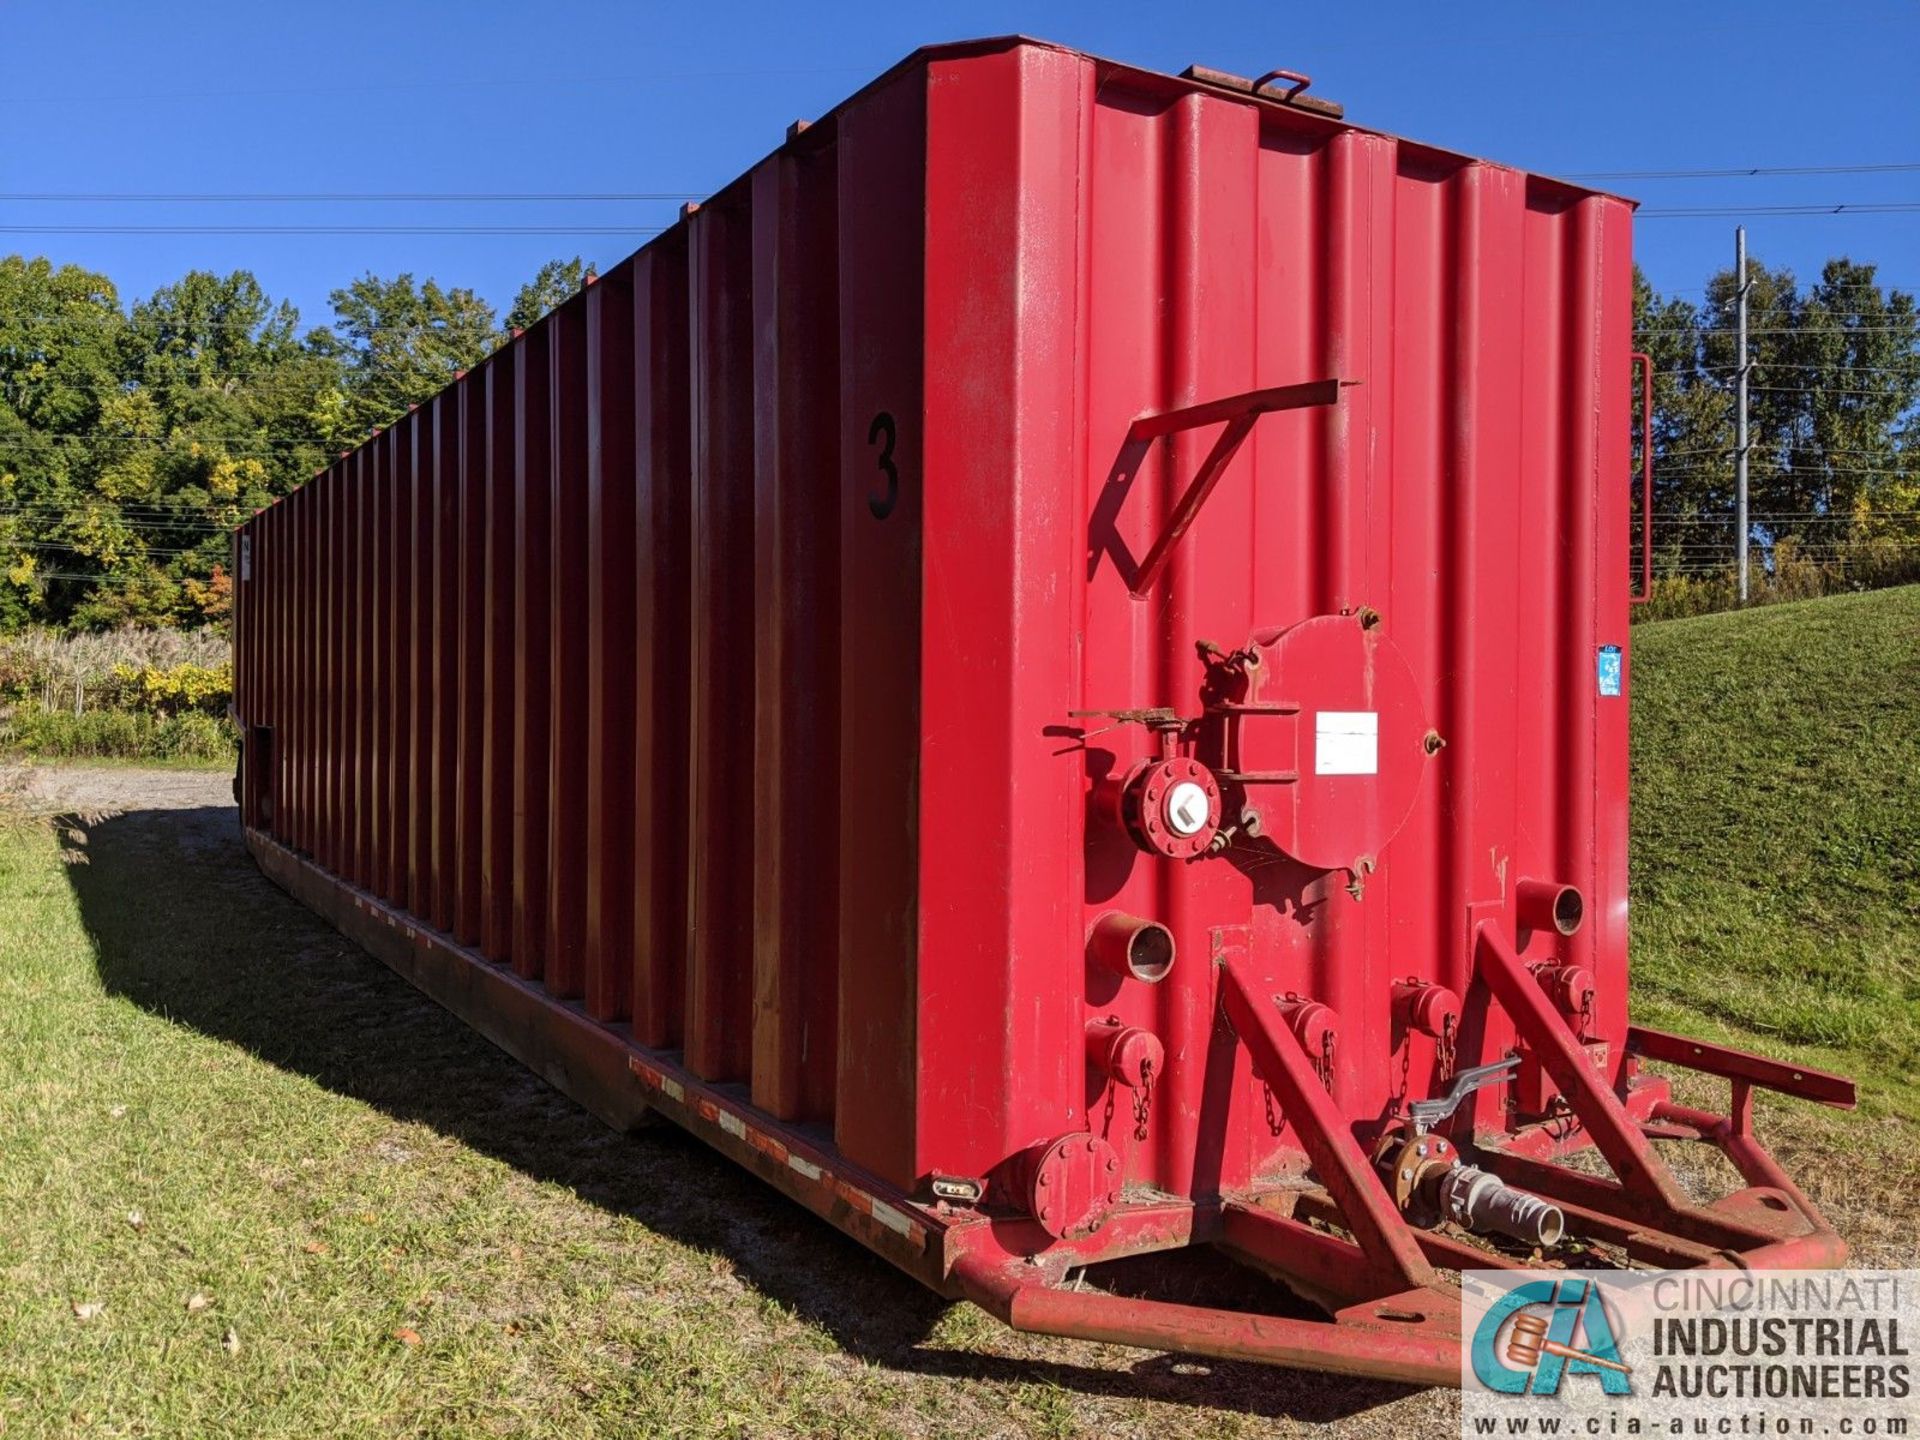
572	661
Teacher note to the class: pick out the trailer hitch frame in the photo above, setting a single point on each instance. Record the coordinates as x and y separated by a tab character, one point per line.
1343	1243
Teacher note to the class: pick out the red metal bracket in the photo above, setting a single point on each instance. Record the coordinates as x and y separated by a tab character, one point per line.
1238	412
1387	1247
1645	362
1647	1191
1545	1030
1740	1067
1417	1350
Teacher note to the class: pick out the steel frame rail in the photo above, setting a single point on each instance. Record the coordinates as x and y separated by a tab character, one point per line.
1394	1316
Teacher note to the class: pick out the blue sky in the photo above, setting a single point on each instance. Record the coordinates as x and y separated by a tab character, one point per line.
219	96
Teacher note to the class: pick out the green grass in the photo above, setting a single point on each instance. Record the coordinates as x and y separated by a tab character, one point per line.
333	1159
190	738
1776	832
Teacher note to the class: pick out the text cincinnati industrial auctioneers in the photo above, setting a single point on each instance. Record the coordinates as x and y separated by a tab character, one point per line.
1777	1337
1665	1352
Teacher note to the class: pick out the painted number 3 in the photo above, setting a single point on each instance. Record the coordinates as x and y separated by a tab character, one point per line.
882	433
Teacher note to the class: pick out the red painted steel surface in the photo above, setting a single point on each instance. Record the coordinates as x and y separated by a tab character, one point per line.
751	655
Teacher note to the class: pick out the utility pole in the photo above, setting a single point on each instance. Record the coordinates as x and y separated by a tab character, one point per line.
1740	442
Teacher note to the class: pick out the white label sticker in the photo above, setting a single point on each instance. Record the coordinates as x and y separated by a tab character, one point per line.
1346	742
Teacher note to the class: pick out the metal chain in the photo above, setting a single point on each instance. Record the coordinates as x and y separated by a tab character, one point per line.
1142	1098
1106	1120
1324	1066
1274	1122
1586	1015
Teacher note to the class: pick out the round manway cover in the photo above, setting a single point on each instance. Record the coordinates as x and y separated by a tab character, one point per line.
1356	747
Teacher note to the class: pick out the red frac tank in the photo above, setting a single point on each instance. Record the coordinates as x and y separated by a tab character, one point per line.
1038	670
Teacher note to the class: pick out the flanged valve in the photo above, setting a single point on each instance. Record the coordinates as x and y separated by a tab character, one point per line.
1171	807
1430	1183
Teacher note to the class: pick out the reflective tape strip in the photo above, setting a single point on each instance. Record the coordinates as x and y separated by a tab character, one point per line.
890	1217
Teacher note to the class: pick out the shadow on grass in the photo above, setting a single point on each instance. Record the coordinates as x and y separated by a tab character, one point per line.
185	926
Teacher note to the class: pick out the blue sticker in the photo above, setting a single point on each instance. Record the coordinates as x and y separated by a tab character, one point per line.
1607	669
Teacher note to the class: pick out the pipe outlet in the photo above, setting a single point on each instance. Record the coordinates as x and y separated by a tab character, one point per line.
1131	947
1549	905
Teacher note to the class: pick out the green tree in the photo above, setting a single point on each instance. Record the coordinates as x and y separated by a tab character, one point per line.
147	436
400	343
557	282
1857	353
62	374
1832	392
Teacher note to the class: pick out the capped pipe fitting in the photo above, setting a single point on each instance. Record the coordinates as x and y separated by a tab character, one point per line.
1314	1025
1125	1054
1549	905
1430	1009
1570	987
1130	947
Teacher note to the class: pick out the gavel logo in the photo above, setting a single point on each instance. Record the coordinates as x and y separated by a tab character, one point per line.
1527	1341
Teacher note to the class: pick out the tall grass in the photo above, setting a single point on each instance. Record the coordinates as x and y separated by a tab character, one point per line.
124	694
56	671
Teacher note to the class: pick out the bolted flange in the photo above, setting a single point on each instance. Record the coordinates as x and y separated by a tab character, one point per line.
1072	1183
1171	807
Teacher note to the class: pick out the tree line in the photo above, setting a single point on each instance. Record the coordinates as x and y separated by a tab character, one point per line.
1833	433
134	437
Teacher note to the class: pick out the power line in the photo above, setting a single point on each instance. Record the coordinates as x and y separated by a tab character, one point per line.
225	441
1727	450
516	83
332	229
1892	207
347	197
1777	330
1744	172
55	517
1784	517
196	518
1800	365
55	546
1815	390
1819	286
1815	471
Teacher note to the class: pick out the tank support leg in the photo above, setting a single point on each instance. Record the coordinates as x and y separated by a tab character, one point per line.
1392	1257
